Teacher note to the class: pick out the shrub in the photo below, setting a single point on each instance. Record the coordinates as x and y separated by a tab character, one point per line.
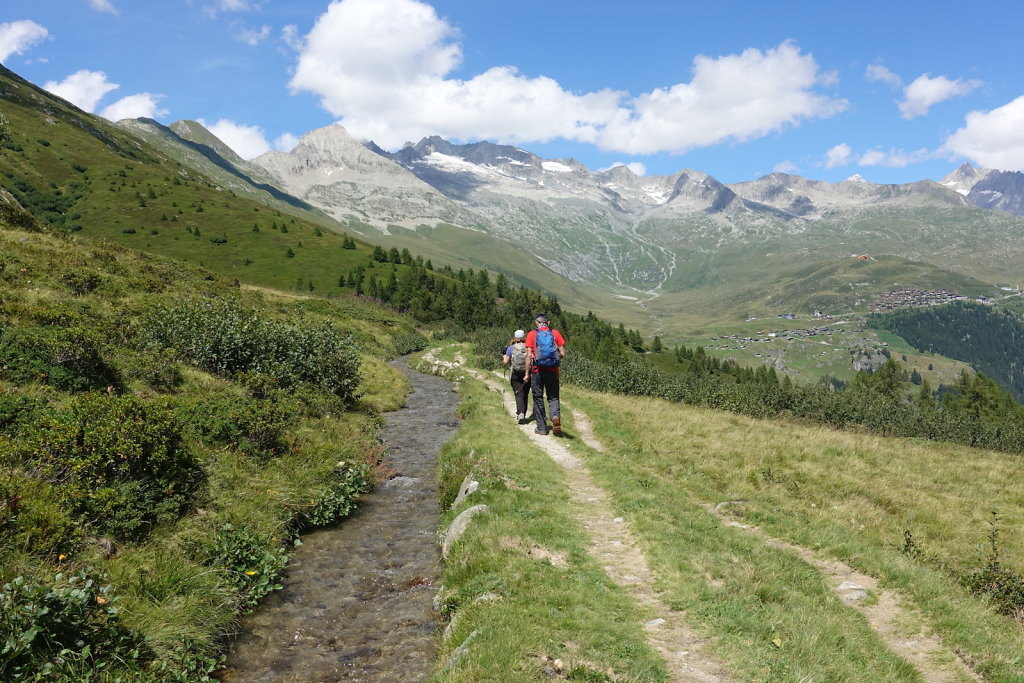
116	461
158	369
1003	586
223	338
250	565
490	343
338	498
16	411
69	630
68	359
254	427
409	343
33	518
81	281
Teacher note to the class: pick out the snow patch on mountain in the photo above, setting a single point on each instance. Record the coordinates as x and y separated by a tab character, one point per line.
555	167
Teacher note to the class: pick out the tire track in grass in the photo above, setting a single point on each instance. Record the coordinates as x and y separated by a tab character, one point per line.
615	547
934	661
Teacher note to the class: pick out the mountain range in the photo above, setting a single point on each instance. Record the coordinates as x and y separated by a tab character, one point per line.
672	253
666	250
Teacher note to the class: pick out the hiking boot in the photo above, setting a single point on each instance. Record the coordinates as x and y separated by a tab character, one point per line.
542	432
522	418
556	425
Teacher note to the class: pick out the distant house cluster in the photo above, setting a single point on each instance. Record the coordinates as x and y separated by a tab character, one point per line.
898	298
735	342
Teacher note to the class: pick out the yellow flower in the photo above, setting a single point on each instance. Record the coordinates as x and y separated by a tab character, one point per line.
62	556
251	573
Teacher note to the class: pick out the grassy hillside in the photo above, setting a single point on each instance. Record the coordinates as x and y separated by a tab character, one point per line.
915	516
76	172
165	436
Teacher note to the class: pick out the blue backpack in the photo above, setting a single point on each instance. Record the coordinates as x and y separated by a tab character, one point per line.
547	351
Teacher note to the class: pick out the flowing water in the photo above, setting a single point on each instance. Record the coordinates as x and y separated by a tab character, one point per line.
357	599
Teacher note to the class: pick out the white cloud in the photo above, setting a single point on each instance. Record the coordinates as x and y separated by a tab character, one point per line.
249	36
894	158
635	166
18	36
286	142
214	8
405	91
736	97
785	166
992	139
878	73
104	6
840	155
247	141
925	91
84	88
140	105
290	36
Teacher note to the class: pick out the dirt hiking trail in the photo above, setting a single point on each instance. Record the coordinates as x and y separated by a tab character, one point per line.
616	549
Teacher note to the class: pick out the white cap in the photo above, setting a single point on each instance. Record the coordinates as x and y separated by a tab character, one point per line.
519	334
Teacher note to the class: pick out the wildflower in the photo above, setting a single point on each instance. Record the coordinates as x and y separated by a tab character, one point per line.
251	573
100	600
61	557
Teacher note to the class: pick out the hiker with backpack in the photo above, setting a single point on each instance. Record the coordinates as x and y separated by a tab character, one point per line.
547	349
515	357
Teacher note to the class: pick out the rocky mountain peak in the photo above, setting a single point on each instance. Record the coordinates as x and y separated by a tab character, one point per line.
964	178
999	190
620	174
193	131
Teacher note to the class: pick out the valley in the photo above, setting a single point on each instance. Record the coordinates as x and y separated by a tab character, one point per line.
197	353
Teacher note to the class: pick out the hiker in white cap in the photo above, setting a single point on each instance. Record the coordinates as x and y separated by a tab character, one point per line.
515	358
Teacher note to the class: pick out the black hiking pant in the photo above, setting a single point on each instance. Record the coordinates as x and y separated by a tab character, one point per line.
519	387
544	381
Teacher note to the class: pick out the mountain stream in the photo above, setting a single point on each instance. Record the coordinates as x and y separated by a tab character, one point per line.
357	596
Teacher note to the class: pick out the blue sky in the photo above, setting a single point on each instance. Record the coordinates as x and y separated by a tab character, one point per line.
894	91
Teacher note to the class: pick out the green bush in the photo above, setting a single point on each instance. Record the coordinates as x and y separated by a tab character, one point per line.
251	565
254	427
69	630
409	343
158	369
67	359
339	498
81	281
17	411
1000	583
117	462
228	340
489	345
33	518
